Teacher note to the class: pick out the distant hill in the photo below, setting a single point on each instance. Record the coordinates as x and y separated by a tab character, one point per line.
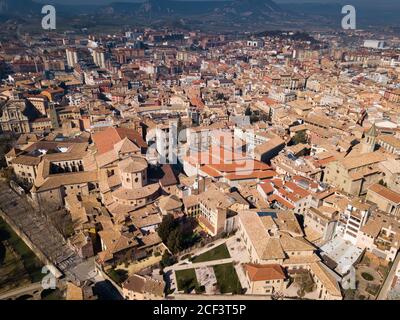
15	7
228	15
161	7
188	8
256	6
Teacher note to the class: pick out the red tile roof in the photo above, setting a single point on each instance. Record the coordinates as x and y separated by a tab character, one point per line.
282	201
258	272
106	139
385	193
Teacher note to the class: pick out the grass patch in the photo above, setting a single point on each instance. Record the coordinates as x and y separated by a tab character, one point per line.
118	275
227	279
220	252
367	276
31	263
186	280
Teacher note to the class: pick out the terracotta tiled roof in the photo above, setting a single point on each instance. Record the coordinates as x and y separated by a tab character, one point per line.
258	272
362	160
282	201
106	139
385	193
169	178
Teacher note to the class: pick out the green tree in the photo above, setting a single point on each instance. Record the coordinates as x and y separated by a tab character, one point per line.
248	112
175	240
167	225
8	174
188	238
382	183
299	137
254	118
167	259
306	284
7	142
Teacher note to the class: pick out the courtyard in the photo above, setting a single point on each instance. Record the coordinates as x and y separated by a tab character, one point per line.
219	278
217	253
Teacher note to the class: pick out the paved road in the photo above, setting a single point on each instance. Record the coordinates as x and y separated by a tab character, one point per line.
41	233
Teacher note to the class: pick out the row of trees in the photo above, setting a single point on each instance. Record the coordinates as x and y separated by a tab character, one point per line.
7	142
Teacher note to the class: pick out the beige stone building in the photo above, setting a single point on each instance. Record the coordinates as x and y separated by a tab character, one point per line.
390	143
213	209
356	173
322	220
16	116
381	236
275	237
138	287
41	159
25	168
60	172
386	199
391	173
265	279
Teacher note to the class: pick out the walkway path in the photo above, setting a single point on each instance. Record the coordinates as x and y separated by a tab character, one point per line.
210	263
389	279
42	235
207	247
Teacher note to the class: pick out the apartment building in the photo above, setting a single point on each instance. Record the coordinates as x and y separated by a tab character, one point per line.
353	219
322	220
381	236
285	195
214	211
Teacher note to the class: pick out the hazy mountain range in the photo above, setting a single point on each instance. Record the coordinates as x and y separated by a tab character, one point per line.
235	14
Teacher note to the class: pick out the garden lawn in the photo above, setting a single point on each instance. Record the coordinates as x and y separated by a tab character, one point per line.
227	278
186	280
220	252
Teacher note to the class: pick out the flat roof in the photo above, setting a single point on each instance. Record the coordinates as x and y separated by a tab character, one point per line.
342	252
